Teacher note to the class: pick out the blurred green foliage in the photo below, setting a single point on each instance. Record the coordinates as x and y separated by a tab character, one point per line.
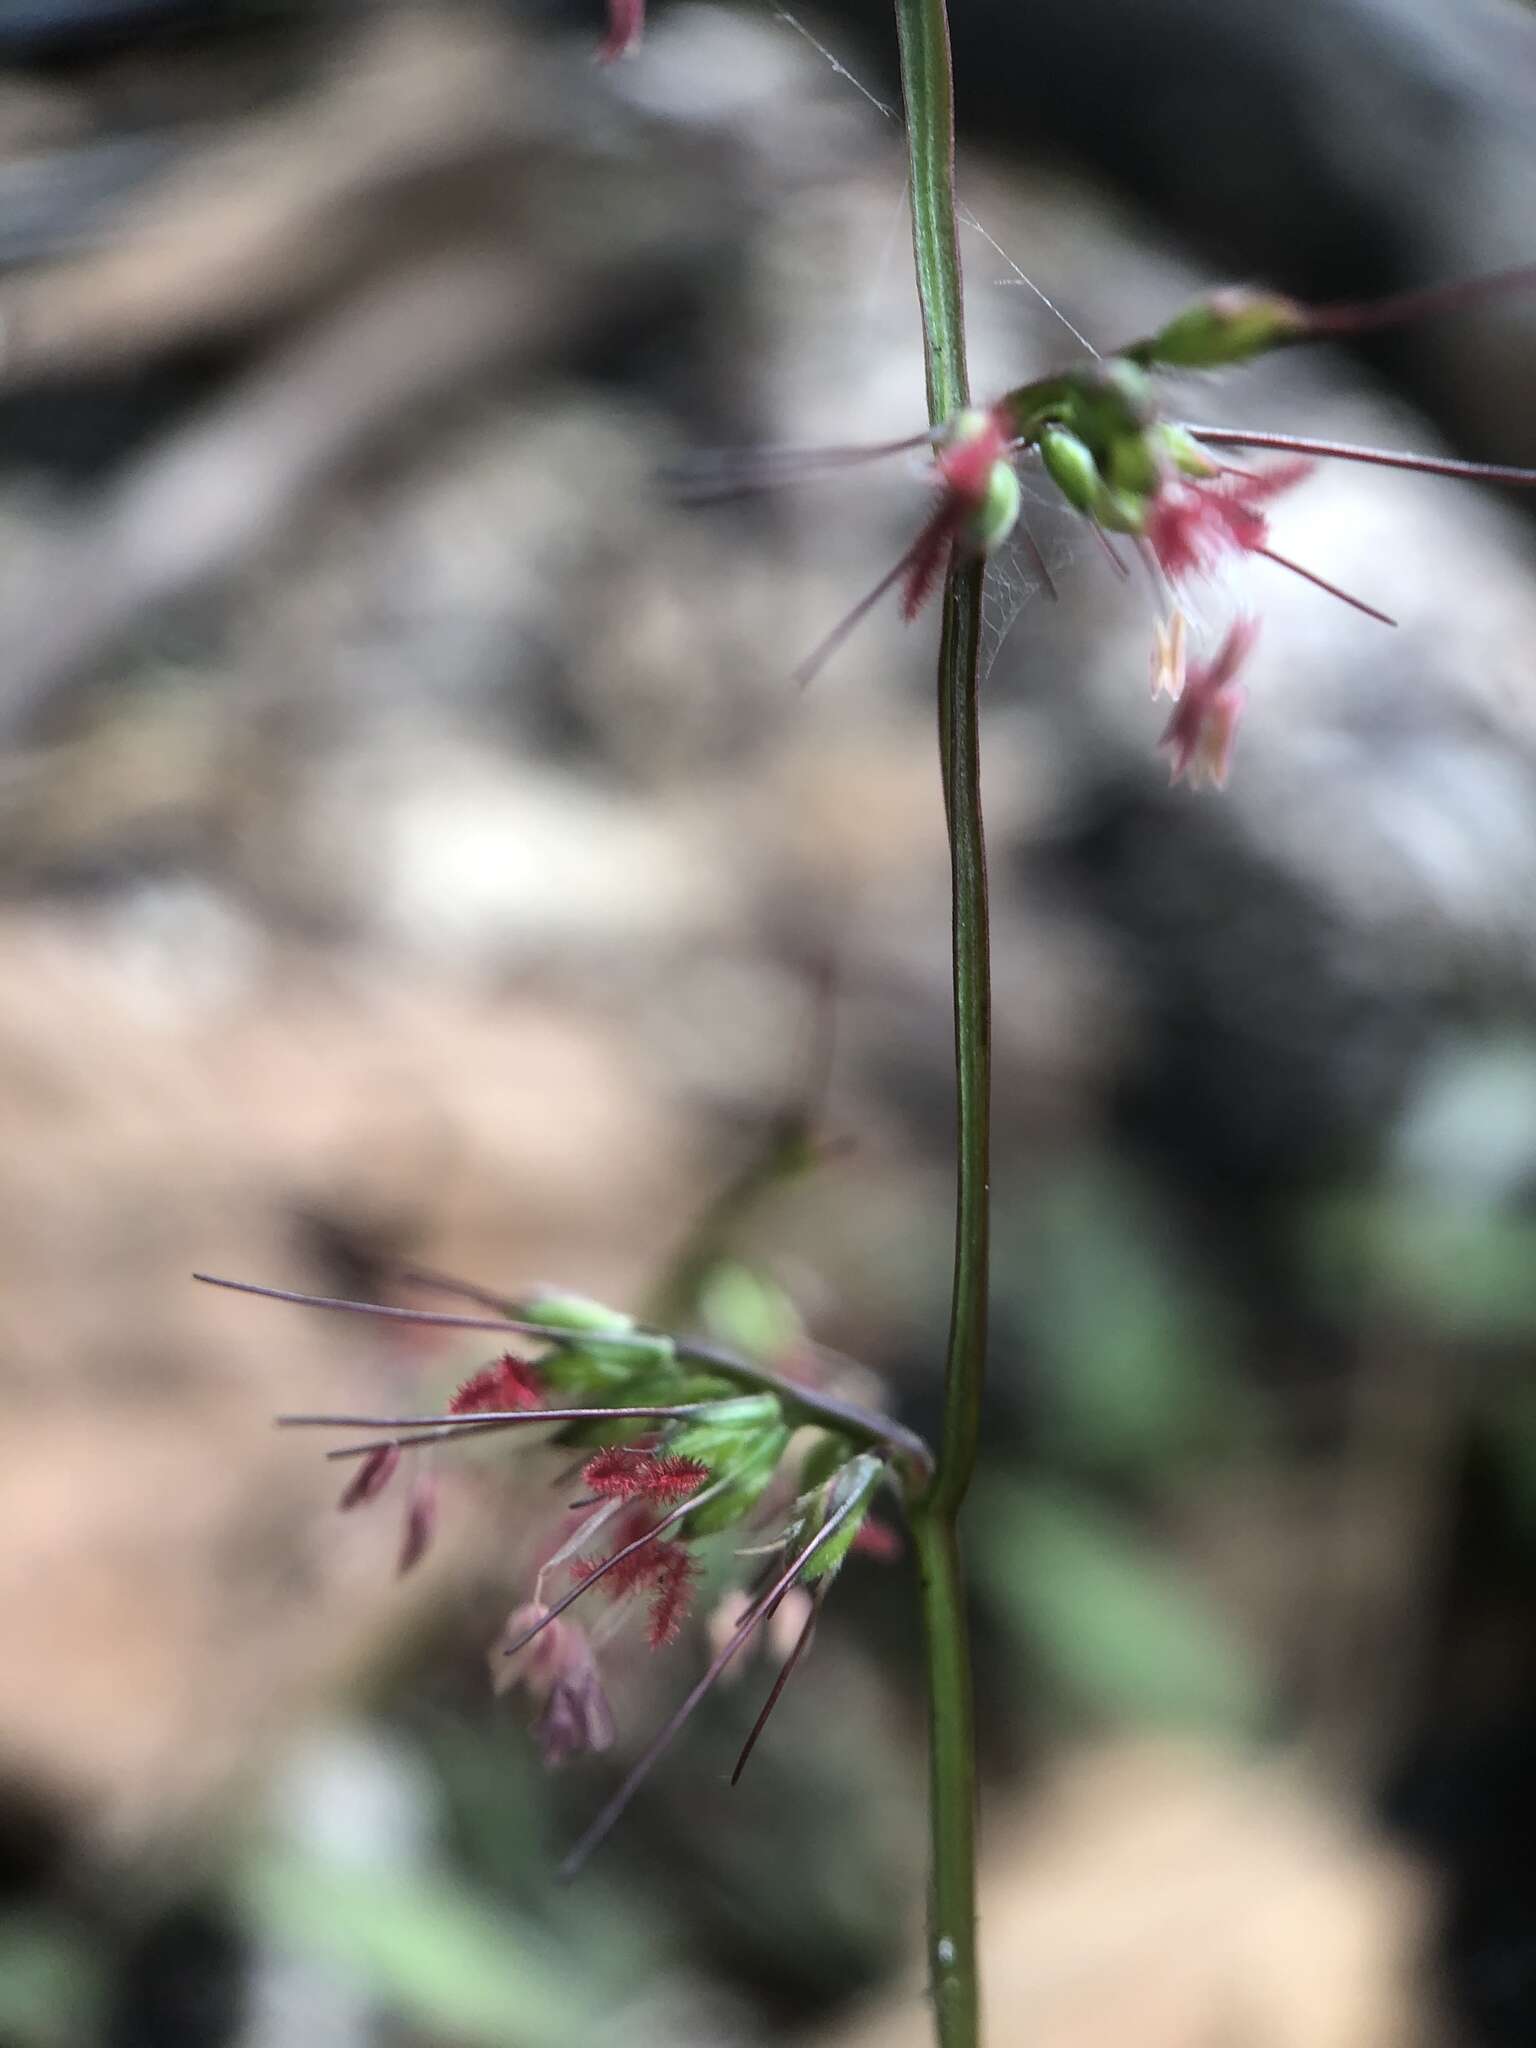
427	1947
51	1981
1108	1621
1126	1358
1439	1257
1129	1342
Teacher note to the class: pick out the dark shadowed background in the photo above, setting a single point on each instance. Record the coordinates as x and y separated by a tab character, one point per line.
412	847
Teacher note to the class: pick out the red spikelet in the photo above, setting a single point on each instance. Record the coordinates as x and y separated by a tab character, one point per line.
673	1595
965	467
1193	521
509	1383
627	1474
634	1571
628	1577
667	1571
928	557
965	471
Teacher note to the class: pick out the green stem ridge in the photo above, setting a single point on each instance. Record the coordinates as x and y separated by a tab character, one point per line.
953	1978
927	84
965	1360
928	92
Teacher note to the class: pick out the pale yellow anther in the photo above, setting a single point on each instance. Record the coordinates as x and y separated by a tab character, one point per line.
1168	657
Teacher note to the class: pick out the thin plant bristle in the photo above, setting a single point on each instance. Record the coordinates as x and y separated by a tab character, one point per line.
577	1540
801	1644
1382	458
1333	589
1366	316
677	1720
808	670
744	472
502	1325
432	1429
1037	556
448	1283
485	1416
1111	552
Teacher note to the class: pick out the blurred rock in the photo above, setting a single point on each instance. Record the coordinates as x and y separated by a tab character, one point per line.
176	1586
1176	1897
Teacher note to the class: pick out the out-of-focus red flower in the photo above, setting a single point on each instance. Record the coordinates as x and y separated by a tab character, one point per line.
964	471
878	1540
1192	522
559	1673
626	24
1200	734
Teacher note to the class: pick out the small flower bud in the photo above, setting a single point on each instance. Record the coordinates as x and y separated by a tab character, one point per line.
978	478
856	1483
747	1470
1070	465
740	1411
601	1364
1189	458
1109	399
1132	466
1121	511
373	1474
556	1310
420	1524
1230	326
998	514
725	1443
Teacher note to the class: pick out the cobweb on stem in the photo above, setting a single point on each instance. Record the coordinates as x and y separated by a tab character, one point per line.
967	219
1048	543
1050	540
